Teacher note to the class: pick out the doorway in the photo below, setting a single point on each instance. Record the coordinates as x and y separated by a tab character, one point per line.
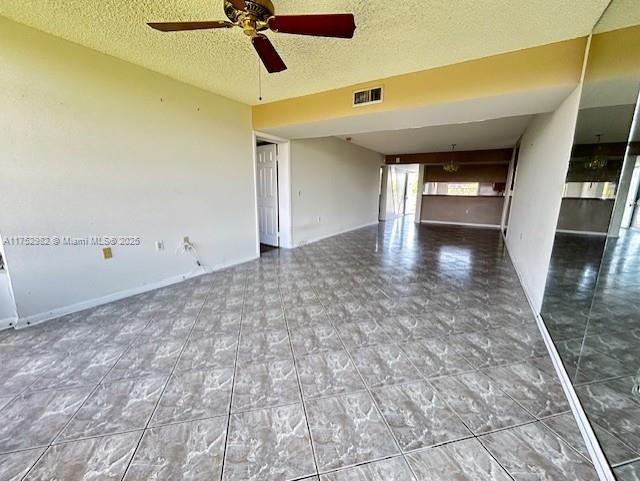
267	195
272	170
402	188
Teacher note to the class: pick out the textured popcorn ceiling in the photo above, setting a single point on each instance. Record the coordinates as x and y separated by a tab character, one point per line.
620	14
393	37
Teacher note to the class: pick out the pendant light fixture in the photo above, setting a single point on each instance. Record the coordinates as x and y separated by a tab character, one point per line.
451	165
598	160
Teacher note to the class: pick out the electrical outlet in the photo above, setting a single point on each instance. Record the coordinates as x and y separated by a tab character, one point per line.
106	253
159	245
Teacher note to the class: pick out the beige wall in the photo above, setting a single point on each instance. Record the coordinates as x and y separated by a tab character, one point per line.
543	162
557	64
92	145
334	188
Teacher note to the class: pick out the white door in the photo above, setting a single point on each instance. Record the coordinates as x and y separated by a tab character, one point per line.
267	180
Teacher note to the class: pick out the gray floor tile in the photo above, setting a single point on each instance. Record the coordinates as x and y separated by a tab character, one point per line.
190	451
538	393
269	445
209	352
217	324
406	328
327	374
4	400
147	358
545	364
263	320
20	372
629	472
34	419
314	339
172	329
347	312
488	349
614	411
104	458
300	316
195	395
373	289
392	469
436	357
384	365
418	417
14	466
461	461
347	430
480	403
565	426
264	346
82	368
535	452
460	320
115	407
267	384
362	333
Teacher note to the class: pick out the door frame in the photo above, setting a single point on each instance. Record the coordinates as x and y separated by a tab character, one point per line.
633	197
284	188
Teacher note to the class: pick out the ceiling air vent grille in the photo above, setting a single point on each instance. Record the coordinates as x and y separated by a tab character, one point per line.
367	96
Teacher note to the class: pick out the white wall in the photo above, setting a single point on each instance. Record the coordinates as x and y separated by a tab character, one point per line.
92	145
7	306
334	188
542	168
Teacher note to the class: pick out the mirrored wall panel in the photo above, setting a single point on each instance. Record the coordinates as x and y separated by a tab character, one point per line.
592	299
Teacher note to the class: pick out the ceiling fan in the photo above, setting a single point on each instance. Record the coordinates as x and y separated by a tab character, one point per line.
254	16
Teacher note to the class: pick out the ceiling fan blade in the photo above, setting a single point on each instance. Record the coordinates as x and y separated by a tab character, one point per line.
238	4
181	26
341	25
268	54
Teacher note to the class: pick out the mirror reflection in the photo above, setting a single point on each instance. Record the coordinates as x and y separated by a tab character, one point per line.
592	299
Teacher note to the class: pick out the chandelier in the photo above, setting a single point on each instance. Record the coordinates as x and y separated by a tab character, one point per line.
598	160
451	165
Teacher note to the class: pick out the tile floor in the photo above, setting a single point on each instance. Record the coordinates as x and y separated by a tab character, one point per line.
391	353
591	308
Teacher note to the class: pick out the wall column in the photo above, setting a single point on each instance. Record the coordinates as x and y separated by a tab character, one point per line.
419	194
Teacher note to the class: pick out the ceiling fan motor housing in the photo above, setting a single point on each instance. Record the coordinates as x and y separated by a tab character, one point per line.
261	10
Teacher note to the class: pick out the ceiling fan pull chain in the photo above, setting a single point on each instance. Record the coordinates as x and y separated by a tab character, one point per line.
259	81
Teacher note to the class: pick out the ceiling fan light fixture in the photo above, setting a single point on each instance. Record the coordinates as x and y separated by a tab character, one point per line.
255	16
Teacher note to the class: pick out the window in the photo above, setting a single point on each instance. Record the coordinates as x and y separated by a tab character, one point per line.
590	190
473	189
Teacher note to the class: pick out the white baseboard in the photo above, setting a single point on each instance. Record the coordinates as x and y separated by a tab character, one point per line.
463	224
598	458
7	323
23	322
582	232
316	239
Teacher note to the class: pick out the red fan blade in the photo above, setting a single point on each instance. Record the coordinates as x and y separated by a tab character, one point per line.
267	52
238	4
180	26
341	25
